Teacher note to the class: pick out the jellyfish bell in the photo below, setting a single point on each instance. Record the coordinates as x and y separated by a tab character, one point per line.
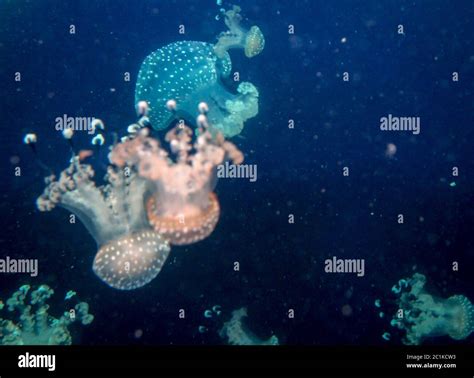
131	261
462	314
191	72
130	254
182	206
189	226
254	42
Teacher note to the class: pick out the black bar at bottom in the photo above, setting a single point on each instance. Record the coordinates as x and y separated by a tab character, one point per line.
219	361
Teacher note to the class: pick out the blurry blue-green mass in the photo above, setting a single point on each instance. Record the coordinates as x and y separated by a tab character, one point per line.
33	324
191	72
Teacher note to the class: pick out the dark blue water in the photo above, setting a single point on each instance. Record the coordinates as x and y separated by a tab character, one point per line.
299	170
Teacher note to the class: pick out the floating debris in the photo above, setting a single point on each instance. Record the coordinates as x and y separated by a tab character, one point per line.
70	294
208	314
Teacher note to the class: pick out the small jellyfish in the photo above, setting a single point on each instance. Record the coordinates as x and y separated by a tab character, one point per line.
386	336
217	309
377	303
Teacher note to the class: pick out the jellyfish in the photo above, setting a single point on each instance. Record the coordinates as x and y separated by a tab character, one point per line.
236	333
130	254
251	41
190	72
182	207
422	315
36	326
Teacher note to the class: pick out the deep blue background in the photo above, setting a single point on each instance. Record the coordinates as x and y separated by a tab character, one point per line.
299	170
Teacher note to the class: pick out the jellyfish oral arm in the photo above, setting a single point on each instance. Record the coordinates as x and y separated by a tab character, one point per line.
227	41
93	217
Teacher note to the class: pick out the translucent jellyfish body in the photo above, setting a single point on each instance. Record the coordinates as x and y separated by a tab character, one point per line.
36	326
190	72
235	332
130	254
182	207
423	315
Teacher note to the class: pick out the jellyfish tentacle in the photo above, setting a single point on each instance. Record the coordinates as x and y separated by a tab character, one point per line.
36	326
182	207
115	215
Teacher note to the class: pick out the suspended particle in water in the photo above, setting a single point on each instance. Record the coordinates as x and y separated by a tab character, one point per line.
70	294
202	329
391	150
346	310
138	333
377	303
217	309
208	314
386	336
